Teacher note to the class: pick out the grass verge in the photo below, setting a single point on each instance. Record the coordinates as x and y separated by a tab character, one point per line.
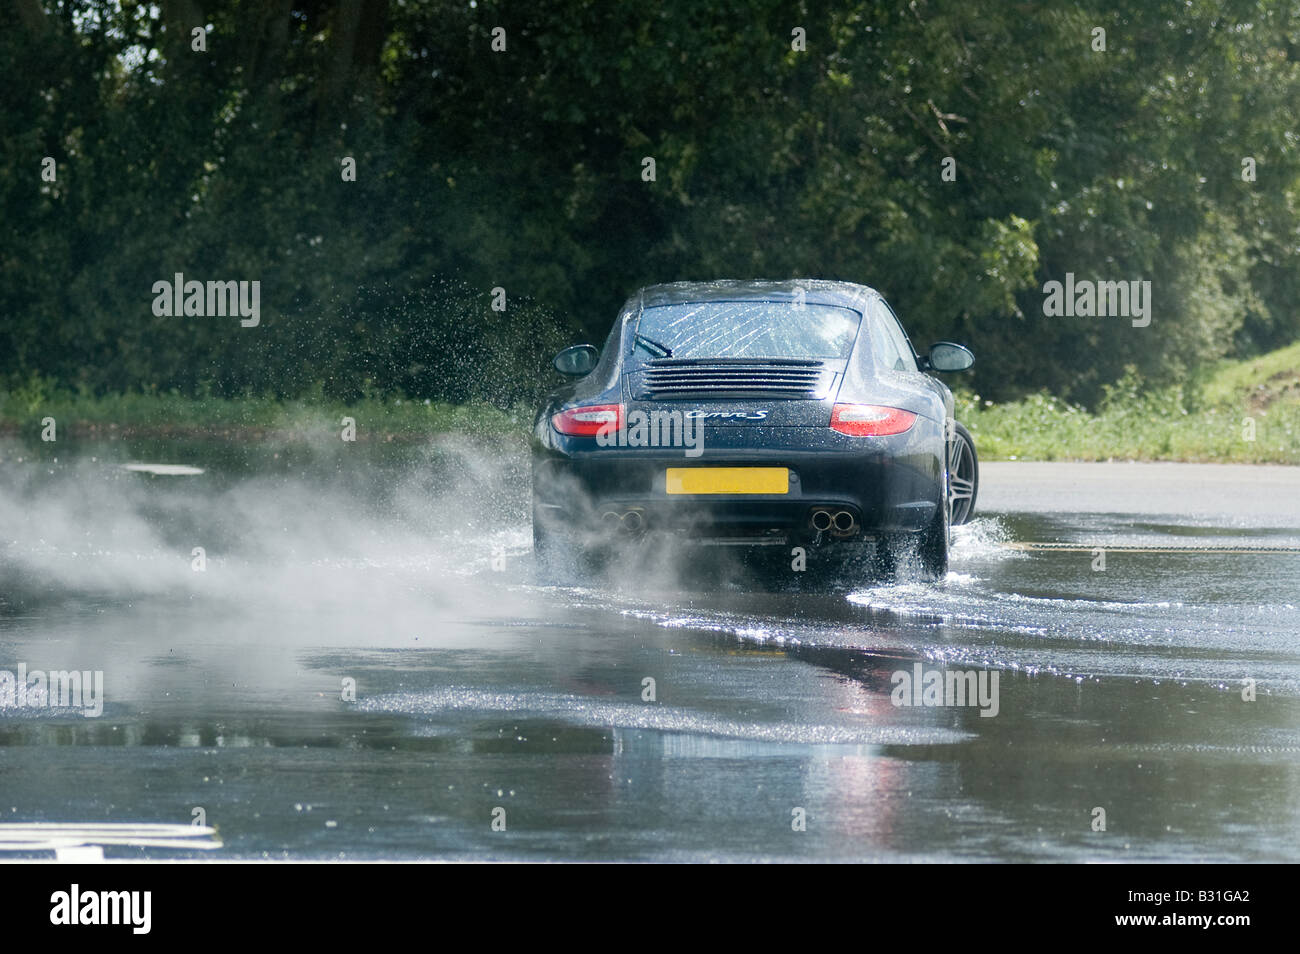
23	411
1240	412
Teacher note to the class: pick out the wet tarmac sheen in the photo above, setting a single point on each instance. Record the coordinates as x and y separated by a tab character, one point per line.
683	708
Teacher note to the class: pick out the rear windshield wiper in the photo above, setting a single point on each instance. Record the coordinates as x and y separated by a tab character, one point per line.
650	343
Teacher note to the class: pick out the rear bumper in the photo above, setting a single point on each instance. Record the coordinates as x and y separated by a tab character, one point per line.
888	484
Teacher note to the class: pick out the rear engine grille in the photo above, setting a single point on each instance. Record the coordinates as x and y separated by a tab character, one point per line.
788	378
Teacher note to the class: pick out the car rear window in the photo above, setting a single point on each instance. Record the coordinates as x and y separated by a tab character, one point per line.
749	329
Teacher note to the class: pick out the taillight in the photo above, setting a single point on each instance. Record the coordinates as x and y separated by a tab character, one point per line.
870	420
587	421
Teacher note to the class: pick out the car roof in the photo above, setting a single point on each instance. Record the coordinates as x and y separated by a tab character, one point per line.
817	291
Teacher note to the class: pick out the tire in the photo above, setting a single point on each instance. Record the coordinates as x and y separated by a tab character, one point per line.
932	548
963	476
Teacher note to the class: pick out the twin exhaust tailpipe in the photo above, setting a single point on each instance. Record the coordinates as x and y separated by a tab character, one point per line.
840	523
629	521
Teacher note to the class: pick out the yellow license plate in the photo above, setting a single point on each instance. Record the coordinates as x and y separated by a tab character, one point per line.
727	480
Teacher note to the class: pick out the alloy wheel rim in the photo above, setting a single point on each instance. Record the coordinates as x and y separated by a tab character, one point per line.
961	479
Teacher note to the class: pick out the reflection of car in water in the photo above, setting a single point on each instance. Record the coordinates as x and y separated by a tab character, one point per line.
754	412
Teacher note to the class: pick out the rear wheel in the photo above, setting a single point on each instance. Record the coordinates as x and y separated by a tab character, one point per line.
932	549
963	475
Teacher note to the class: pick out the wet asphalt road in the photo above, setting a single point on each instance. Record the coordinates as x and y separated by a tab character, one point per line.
481	697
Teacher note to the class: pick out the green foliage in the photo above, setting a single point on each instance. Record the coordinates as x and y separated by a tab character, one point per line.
522	169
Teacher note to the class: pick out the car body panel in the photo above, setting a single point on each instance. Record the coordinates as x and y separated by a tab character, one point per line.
891	484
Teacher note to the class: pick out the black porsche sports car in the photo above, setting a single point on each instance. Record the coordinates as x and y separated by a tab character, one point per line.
743	412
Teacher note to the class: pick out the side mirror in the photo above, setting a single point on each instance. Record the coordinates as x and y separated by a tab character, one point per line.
576	361
946	356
